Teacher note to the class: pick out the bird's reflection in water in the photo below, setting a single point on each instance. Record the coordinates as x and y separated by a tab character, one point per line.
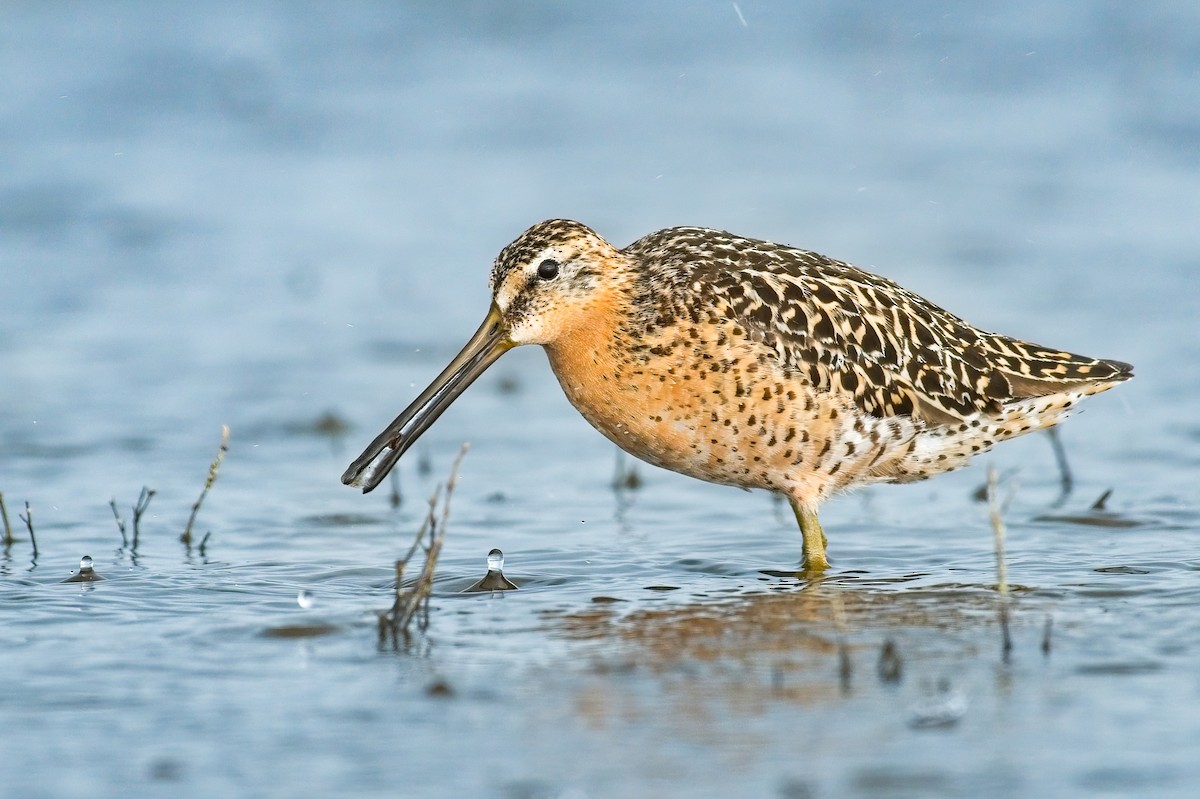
818	643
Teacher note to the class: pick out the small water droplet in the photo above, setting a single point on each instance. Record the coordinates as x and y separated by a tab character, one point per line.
85	563
305	599
495	561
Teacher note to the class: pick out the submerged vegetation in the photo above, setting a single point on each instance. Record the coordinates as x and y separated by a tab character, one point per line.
996	515
186	537
412	601
8	539
128	541
139	508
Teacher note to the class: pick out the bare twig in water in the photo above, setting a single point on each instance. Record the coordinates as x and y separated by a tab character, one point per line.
1064	468
138	509
412	599
426	525
8	536
27	517
212	478
204	542
996	513
112	503
1100	503
981	493
451	483
395	498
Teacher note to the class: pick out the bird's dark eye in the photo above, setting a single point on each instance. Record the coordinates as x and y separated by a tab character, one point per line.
548	269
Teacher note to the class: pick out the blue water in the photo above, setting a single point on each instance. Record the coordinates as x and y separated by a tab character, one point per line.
263	214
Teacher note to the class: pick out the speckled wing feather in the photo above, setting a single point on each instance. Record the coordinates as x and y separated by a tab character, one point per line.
850	331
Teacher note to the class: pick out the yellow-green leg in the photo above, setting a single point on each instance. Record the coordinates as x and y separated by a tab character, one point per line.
814	538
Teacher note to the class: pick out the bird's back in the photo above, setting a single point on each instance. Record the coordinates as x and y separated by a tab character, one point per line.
860	336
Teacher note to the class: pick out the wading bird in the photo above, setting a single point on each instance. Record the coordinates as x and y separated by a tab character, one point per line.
753	364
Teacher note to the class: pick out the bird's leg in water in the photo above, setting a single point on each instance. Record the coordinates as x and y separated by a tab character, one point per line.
814	538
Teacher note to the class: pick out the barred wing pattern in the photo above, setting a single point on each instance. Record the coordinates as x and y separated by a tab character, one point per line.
849	331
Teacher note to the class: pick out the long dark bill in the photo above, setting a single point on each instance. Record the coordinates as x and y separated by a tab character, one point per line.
489	343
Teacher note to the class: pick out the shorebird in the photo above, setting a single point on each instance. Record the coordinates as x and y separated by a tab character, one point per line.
753	364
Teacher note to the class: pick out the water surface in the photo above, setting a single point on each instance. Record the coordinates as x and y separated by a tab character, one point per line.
282	219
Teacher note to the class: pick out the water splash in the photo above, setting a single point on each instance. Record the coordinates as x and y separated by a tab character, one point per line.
494	580
86	573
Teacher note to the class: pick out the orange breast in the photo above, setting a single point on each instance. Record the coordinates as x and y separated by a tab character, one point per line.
726	413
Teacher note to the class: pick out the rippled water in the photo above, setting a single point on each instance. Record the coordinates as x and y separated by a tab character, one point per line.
282	218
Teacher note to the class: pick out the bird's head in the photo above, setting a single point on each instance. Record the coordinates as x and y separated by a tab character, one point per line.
546	282
545	285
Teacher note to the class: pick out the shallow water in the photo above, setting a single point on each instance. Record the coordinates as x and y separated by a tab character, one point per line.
274	219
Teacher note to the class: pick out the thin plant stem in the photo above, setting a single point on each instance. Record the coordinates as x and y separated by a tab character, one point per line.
429	538
8	535
27	517
112	503
139	508
996	514
186	537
